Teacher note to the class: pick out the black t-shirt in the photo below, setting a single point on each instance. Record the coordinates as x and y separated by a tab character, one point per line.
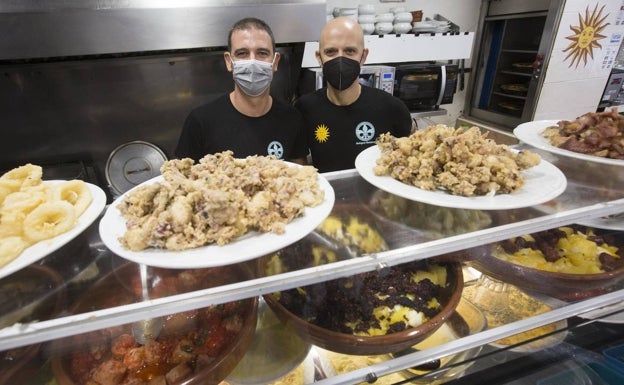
218	126
337	134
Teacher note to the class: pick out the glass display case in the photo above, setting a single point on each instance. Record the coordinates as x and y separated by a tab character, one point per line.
67	308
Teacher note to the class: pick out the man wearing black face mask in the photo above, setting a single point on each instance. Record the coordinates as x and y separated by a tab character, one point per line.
247	121
346	117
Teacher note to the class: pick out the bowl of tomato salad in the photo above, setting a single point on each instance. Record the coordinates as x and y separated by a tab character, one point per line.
200	346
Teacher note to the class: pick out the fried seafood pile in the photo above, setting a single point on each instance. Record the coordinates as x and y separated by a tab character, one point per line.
32	210
461	161
595	133
217	200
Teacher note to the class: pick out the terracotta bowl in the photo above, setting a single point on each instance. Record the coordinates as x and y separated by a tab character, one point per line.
563	286
349	343
122	285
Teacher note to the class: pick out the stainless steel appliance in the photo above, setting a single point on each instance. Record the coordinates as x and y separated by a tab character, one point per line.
81	78
613	94
513	43
376	76
425	86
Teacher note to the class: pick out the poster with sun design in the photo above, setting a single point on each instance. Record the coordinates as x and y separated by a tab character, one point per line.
586	36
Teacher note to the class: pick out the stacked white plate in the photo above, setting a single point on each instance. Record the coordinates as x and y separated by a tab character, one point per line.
436	26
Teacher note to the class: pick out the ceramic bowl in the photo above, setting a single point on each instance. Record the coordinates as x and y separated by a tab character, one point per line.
402	27
384	18
368	29
366	9
565	286
349	343
366	19
403	17
349	12
122	286
383	28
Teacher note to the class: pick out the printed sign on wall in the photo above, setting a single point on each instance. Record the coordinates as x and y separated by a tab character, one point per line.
586	36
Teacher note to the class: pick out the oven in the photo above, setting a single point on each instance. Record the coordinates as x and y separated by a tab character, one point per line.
425	86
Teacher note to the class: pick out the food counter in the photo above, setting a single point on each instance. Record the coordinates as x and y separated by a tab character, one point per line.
593	191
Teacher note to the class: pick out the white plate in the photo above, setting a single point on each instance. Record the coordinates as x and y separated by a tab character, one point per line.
45	247
542	183
531	133
249	246
616	318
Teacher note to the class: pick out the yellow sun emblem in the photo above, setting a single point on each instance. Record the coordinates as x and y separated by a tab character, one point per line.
585	37
321	133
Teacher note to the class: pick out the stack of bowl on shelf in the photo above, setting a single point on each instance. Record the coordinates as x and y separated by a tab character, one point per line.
348	12
402	21
395	20
367	18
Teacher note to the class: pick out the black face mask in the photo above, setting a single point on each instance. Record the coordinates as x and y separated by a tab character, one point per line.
341	72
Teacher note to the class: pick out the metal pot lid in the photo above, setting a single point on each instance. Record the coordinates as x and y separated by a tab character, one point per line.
133	163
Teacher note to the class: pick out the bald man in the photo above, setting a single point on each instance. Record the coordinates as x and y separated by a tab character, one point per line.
345	117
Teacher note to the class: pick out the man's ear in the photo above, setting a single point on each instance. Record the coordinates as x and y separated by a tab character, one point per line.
276	61
364	56
228	61
318	58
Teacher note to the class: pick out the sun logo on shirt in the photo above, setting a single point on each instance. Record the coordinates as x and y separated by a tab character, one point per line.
586	36
321	133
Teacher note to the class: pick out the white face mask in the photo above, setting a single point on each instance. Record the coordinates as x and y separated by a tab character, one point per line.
252	76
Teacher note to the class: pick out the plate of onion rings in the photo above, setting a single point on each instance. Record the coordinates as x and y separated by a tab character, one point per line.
42	248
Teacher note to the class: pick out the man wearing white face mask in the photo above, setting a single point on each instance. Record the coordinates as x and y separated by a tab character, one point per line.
247	121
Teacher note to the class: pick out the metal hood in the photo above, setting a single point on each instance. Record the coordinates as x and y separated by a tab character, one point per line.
59	28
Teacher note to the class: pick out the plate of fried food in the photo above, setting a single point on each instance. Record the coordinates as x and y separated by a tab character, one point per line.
595	136
459	168
38	217
219	211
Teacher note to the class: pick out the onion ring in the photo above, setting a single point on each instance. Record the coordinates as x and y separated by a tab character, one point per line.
4	192
75	192
11	223
23	201
49	220
10	248
23	176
